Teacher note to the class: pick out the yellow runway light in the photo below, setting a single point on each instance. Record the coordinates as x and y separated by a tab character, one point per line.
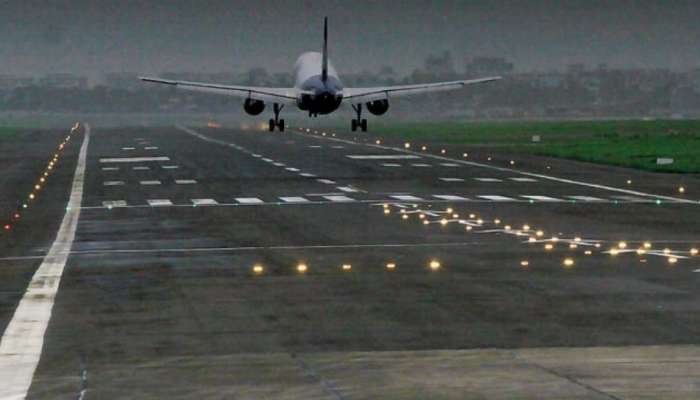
465	155
588	252
443	221
37	187
568	262
548	246
434	265
469	227
524	263
426	222
405	216
496	221
258	269
622	245
407	145
526	228
31	196
347	267
449	210
573	246
421	216
681	190
512	162
641	251
423	148
672	260
693	251
387	211
667	251
302	268
378	142
614	251
531	239
577	239
507	227
391	266
472	216
647	245
480	221
554	239
539	233
442	151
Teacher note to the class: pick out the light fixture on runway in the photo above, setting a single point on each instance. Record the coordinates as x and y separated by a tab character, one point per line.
302	268
391	266
693	251
434	265
258	269
347	267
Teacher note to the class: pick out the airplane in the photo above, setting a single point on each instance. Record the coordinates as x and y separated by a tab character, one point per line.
318	90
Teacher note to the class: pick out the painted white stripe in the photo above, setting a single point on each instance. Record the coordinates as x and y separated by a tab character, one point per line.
488	179
633	199
128	148
338	198
114	203
185	181
326	181
307	175
278	164
204	202
315	147
294	199
421	165
497	198
338	147
406	197
249	200
110	168
391	165
382	157
586	198
452	179
347	189
450	197
148	183
170	167
266	159
292	169
133	159
113	183
151	148
542	198
23	340
141	168
256	155
449	165
159	202
523	179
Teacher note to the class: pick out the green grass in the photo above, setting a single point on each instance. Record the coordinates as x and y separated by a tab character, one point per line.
629	143
8	132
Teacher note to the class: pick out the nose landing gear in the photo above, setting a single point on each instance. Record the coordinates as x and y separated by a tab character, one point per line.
276	122
359	121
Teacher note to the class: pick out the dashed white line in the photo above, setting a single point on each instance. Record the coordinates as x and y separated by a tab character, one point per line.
326	181
292	169
133	159
450	197
128	148
159	202
382	156
249	200
151	148
523	179
150	183
421	165
542	198
391	165
170	167
338	198
488	179
586	198
113	183
294	199
114	203
347	189
204	202
110	168
307	175
452	165
185	181
141	168
278	164
497	198
452	179
22	343
406	197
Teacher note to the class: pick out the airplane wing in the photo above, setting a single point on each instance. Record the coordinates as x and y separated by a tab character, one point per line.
384	92
277	95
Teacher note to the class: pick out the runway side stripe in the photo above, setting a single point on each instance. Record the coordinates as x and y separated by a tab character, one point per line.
542	198
23	340
294	199
204	202
249	200
406	197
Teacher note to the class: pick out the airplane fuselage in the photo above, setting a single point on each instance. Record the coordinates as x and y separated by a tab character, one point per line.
315	95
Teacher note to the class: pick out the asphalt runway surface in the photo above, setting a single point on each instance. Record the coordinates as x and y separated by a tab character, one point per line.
424	274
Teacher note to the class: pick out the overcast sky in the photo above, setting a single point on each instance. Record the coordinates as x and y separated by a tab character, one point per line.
93	37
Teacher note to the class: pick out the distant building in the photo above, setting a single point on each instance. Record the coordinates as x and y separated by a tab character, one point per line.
487	66
63	81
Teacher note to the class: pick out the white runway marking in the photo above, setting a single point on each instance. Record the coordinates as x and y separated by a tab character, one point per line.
114	203
204	202
170	167
133	159
256	155
542	198
338	198
294	199
391	165
452	179
406	197
338	147
449	165
586	198
266	159
307	175
347	189
185	181
249	200
141	168
292	169
450	197
523	179
113	183
150	148
159	202
326	181
315	147
633	199
110	168
382	157
23	340
128	148
421	165
488	179
278	164
496	198
150	183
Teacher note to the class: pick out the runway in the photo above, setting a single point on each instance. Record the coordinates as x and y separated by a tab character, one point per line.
449	272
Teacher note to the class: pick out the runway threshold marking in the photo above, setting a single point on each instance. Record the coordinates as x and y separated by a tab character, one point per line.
159	202
510	170
23	340
133	159
249	200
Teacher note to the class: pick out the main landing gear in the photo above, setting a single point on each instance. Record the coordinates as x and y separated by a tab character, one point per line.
276	122
359	122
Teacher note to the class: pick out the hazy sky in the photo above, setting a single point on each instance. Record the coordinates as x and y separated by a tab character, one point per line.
92	37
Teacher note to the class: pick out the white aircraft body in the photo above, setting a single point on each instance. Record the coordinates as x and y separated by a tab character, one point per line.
318	90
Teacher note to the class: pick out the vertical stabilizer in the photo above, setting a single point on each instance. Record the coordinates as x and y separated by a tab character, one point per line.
324	62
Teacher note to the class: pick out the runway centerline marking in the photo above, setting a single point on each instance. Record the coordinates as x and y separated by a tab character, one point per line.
113	183
488	179
338	198
185	181
542	198
452	179
381	157
326	181
497	198
141	168
133	159
22	343
149	183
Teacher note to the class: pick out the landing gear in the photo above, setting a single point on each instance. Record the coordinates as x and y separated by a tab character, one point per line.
276	122
358	122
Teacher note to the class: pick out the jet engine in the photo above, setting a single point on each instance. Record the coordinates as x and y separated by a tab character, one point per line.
378	107
253	107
